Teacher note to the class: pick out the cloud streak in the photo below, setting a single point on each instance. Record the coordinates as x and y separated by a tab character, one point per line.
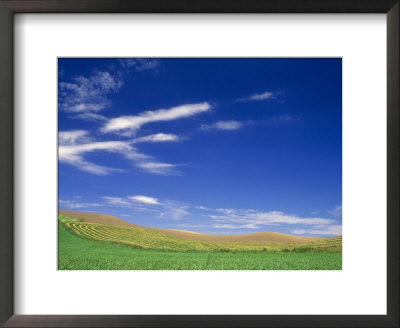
159	168
132	123
90	117
334	230
253	219
74	146
223	125
166	209
74	155
260	96
73	204
159	137
116	201
145	200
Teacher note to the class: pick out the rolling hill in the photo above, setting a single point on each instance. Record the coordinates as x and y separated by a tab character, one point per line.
98	218
260	237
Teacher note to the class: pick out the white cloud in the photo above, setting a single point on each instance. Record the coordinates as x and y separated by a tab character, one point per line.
72	137
158	168
174	210
88	94
73	204
159	137
139	64
145	199
231	226
116	201
337	211
260	96
285	118
90	117
253	219
73	145
321	230
166	209
225	226
133	123
202	208
184	225
74	150
223	125
74	155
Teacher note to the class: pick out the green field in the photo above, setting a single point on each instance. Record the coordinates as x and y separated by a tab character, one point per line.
78	252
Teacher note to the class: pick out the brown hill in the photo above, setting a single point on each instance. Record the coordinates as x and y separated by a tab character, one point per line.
265	237
98	218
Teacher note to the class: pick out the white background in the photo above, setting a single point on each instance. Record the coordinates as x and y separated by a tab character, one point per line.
360	288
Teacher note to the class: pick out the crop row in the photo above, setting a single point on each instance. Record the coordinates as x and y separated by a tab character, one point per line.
151	239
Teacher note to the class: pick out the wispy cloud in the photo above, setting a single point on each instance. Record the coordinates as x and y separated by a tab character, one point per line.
321	230
184	225
159	137
219	218
234	227
88	94
72	137
116	201
337	211
74	204
90	117
227	218
74	145
165	209
202	208
285	118
159	168
254	219
173	210
139	64
145	199
260	96
74	155
133	123
223	125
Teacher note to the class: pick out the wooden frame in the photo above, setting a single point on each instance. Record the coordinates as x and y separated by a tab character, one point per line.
7	10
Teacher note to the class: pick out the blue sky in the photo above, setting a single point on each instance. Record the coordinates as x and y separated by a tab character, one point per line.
223	146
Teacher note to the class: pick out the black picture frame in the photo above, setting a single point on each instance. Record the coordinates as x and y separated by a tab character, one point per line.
10	7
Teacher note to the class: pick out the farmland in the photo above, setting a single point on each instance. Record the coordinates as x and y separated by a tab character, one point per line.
93	246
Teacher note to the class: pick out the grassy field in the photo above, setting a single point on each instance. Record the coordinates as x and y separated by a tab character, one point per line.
78	252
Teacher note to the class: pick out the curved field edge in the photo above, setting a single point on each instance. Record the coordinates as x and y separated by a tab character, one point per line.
76	253
143	238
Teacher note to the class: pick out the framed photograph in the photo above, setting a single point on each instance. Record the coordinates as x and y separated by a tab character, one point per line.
199	164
